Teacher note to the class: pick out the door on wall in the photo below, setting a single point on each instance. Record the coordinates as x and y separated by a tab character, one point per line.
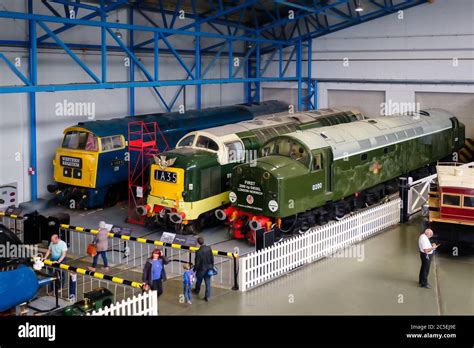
368	102
460	104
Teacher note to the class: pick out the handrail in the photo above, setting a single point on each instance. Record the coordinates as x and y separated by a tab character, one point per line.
148	241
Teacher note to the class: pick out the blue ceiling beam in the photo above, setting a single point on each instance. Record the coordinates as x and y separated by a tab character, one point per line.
135	84
95	14
14	69
179	31
347	23
68	50
305	11
76	4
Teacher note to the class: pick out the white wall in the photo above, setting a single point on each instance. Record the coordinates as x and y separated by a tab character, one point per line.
420	46
54	66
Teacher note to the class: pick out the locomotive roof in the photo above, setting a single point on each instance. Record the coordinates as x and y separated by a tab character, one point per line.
171	120
455	176
273	120
357	137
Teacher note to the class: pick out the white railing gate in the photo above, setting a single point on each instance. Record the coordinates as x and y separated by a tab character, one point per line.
261	266
143	304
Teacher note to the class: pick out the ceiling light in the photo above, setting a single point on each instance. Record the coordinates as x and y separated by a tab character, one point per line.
117	32
359	8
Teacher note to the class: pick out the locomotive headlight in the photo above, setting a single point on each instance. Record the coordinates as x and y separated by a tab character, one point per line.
266	175
232	197
239	170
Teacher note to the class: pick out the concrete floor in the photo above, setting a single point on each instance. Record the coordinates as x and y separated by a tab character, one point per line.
383	281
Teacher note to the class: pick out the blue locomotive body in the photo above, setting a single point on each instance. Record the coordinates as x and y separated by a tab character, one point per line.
91	166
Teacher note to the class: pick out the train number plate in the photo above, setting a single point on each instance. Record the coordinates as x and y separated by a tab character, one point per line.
162	175
117	162
73	162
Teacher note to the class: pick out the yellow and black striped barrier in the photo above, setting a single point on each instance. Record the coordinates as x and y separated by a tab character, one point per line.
130	238
12	216
93	274
147	241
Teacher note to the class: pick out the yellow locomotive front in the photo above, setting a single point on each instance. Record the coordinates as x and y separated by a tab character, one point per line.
75	162
89	170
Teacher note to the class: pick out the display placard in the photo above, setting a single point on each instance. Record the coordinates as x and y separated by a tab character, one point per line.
167	237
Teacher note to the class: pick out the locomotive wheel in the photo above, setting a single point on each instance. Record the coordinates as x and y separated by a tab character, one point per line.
251	237
340	209
372	197
76	197
321	217
111	197
288	224
191	228
178	228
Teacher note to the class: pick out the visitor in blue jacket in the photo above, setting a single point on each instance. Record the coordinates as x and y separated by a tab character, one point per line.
188	280
154	271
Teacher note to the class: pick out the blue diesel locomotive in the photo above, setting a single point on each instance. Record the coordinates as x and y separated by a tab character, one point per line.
91	168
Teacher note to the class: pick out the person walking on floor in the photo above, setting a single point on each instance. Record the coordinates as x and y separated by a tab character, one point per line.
188	280
101	242
203	264
154	271
426	255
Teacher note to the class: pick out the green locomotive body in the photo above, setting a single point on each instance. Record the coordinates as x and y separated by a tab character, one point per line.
309	177
188	191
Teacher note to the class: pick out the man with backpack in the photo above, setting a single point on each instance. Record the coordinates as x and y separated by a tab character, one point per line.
204	264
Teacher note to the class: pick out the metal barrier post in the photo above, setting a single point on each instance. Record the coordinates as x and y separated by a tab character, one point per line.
236	273
404	186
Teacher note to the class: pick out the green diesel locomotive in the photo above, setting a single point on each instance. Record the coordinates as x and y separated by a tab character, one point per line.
311	176
189	183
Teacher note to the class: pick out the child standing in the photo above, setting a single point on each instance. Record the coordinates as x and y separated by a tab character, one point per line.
188	280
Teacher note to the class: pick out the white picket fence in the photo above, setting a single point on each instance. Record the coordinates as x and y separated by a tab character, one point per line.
264	265
143	304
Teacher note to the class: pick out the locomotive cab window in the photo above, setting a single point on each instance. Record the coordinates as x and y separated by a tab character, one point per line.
207	143
112	143
80	141
117	141
317	162
235	151
452	200
289	148
187	141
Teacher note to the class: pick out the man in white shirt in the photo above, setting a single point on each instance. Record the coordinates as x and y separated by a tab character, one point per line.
426	255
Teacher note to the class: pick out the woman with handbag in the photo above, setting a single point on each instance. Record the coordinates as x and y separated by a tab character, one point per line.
101	244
